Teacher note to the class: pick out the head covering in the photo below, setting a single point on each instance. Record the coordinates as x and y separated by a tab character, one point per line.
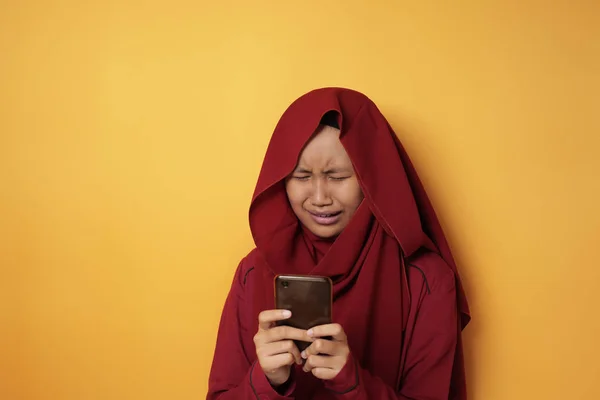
392	226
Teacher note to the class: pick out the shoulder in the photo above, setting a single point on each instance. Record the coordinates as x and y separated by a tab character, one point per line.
246	267
431	268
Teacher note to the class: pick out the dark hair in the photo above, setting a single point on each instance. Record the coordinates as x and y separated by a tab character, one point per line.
330	119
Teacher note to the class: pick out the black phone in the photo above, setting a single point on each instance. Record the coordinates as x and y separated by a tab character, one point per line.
308	297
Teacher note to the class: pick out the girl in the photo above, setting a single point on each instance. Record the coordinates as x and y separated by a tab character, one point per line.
337	196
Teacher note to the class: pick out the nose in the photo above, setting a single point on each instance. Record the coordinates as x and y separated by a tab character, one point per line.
320	194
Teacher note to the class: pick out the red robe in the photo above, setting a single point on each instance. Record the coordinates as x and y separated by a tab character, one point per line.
397	291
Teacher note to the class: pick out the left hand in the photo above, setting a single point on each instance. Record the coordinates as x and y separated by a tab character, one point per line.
326	358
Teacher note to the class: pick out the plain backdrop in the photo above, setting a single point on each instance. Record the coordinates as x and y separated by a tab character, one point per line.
132	132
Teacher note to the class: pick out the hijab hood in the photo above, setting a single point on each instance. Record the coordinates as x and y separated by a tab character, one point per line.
394	224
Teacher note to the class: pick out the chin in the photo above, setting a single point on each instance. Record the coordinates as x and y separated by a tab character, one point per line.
325	232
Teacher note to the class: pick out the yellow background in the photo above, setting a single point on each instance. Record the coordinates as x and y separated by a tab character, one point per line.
132	132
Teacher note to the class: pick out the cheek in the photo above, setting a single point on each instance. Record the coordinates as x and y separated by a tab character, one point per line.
352	195
295	194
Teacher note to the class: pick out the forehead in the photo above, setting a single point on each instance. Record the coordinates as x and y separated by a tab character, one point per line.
325	148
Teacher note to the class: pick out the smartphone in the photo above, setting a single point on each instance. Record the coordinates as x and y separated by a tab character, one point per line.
309	298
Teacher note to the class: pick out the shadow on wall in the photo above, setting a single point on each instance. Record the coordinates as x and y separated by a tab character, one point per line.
438	157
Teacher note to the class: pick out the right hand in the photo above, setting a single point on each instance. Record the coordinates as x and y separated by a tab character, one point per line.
275	348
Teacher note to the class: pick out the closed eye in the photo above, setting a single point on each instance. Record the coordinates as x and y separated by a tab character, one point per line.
301	178
338	178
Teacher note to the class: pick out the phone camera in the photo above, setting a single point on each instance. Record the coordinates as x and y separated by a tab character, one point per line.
285	284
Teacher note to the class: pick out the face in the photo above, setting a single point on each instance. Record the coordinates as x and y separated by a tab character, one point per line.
323	190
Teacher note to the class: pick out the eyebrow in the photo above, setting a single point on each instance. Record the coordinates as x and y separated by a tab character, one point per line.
302	170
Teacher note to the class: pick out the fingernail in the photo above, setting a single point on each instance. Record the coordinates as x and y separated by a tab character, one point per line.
310	332
303	354
299	362
287	314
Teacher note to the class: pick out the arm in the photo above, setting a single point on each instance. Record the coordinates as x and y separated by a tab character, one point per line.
430	353
234	374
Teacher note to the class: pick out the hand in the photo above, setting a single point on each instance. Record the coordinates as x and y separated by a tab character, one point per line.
275	348
326	358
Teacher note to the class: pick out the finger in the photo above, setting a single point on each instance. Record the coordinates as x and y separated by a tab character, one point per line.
324	373
296	353
287	332
307	367
281	347
320	362
321	346
327	362
276	361
334	330
268	317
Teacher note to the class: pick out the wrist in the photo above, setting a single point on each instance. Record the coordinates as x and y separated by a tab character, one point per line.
347	379
263	388
276	381
283	388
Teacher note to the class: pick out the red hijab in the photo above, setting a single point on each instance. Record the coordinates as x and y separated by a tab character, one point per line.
366	262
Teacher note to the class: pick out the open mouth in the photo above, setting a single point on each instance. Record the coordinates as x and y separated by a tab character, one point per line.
326	215
326	218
